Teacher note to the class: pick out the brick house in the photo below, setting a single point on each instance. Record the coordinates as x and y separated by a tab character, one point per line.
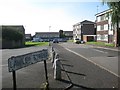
85	31
106	32
68	34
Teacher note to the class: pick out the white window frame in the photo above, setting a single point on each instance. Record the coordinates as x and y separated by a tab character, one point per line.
106	27
98	28
98	19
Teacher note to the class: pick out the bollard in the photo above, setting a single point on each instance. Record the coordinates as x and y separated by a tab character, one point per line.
57	69
53	57
51	53
52	49
56	56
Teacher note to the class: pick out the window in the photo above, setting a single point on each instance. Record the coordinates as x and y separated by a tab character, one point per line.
106	27
98	28
102	37
106	37
98	37
98	19
102	27
102	17
106	16
111	27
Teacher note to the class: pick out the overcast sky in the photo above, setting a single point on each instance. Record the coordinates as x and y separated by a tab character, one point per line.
38	15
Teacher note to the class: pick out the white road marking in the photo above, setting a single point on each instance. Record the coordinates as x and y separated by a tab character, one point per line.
4	65
108	48
93	62
100	51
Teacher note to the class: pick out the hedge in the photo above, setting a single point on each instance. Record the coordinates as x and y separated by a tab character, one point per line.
11	34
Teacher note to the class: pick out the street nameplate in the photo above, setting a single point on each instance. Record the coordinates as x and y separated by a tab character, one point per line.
18	62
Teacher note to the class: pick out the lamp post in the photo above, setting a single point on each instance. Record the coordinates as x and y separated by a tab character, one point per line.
49	35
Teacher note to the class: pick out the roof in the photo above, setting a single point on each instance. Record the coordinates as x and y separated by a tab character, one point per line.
84	22
103	12
87	21
46	32
68	31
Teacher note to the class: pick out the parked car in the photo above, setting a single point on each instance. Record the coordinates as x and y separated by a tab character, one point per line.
82	42
45	40
62	40
78	41
40	40
55	41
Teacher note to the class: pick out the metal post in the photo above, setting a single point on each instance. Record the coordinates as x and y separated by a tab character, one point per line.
53	56
49	35
46	76
14	80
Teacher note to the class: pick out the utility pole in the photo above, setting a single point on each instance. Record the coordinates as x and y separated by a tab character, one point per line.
49	35
97	8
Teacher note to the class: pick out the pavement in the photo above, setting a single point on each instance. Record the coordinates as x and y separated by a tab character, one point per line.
108	48
80	74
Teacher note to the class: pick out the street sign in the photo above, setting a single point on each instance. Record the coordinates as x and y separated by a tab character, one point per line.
18	62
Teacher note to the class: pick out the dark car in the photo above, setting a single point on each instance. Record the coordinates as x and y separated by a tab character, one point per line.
55	41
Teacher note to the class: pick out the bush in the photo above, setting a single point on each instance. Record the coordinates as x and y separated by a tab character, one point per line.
11	34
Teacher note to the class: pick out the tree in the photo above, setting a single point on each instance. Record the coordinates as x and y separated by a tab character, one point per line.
61	34
115	7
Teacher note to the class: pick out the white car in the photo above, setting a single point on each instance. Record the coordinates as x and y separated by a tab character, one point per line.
77	40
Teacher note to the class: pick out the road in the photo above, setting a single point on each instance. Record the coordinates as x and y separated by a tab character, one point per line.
86	65
99	66
106	59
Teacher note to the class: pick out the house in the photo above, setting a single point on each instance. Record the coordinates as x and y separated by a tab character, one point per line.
85	31
13	43
105	32
68	34
28	37
46	35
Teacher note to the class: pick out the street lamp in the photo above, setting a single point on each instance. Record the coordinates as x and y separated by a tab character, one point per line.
49	35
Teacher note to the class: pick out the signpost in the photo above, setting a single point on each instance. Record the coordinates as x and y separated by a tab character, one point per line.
18	62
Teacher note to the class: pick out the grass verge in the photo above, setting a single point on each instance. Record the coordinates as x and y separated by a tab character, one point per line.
69	40
28	44
101	44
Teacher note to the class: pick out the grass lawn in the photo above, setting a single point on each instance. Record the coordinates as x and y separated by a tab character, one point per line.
28	44
101	44
70	41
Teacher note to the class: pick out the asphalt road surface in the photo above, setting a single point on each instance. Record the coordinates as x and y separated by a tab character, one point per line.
88	65
106	59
